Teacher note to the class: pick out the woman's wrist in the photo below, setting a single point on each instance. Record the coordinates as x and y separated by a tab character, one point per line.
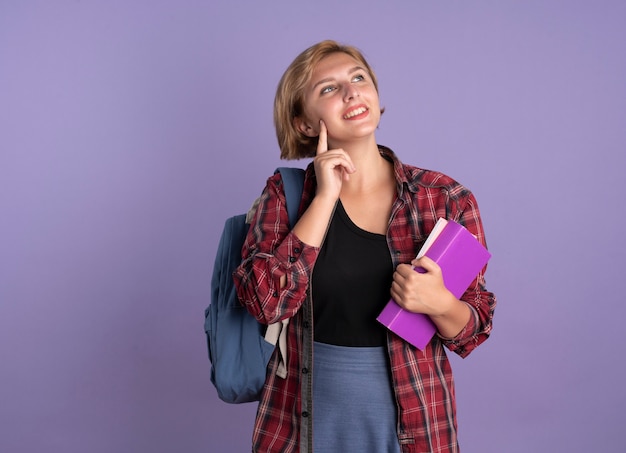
453	318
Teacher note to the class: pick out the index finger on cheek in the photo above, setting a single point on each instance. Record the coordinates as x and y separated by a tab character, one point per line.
322	144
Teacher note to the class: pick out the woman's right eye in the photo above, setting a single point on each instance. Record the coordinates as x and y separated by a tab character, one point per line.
327	89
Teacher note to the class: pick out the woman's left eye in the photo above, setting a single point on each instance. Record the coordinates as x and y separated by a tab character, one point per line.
358	78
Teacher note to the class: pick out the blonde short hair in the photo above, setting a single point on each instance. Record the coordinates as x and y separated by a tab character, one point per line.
288	103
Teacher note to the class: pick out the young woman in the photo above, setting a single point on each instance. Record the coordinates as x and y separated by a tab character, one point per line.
347	383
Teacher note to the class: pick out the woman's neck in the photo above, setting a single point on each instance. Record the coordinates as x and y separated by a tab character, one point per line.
373	171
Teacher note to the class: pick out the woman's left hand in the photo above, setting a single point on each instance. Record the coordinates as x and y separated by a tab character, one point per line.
421	292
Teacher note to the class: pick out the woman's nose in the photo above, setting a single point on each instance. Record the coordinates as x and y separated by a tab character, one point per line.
350	92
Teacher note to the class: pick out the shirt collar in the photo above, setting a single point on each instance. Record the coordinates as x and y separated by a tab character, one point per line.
400	171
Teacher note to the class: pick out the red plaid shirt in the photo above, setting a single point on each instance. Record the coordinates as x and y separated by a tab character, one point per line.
422	380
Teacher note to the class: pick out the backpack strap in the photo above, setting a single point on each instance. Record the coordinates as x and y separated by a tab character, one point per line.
276	333
293	182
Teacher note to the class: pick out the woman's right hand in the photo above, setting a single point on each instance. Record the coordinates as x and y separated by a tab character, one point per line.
332	167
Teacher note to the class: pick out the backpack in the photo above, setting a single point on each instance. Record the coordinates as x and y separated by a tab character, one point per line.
238	350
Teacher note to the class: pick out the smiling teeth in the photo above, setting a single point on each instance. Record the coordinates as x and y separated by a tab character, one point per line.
355	112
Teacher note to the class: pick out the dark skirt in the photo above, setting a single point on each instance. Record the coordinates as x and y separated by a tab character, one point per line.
354	408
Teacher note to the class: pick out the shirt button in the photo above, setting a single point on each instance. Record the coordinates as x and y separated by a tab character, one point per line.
305	414
275	294
292	259
296	250
305	370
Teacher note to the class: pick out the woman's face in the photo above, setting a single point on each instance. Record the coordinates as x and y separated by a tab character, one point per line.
342	94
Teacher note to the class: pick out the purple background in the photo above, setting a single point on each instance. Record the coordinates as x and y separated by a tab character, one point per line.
130	129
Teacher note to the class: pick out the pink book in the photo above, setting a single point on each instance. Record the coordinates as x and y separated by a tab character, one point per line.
460	256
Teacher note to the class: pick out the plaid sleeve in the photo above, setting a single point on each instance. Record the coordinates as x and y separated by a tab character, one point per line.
271	251
481	301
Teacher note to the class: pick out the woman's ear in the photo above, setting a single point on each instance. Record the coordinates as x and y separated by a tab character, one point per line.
304	127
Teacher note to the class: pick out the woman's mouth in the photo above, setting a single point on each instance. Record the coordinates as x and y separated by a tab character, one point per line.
354	113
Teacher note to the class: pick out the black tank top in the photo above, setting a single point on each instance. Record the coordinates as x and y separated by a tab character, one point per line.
351	282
